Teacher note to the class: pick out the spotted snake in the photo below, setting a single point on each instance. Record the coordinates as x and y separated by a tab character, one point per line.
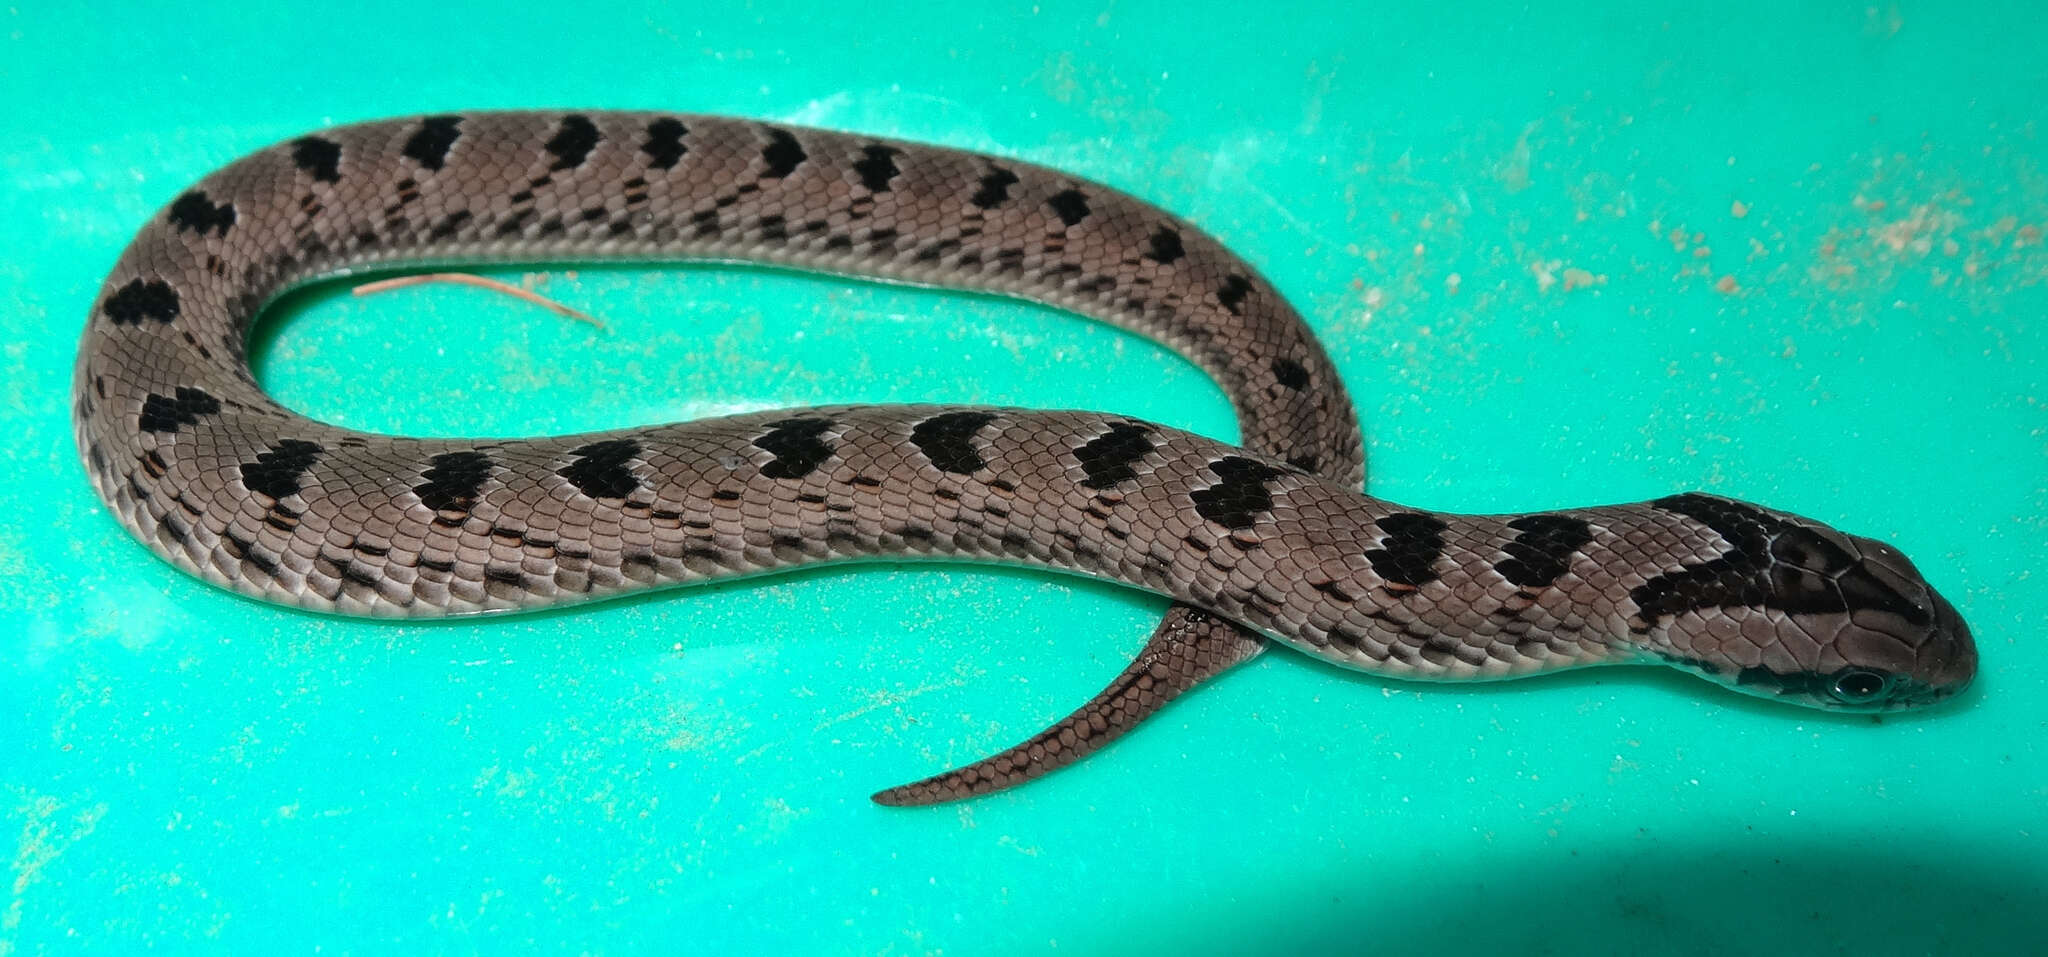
203	467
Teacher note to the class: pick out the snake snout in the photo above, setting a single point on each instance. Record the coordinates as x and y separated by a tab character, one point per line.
1948	658
1887	594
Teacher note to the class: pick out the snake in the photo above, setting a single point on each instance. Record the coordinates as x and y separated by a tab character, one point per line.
1270	541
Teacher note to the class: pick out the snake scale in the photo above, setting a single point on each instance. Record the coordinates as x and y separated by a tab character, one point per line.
203	467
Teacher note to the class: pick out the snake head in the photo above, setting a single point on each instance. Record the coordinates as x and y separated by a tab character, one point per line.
1797	611
1897	644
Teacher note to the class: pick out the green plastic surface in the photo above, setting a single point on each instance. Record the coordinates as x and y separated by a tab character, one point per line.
1563	256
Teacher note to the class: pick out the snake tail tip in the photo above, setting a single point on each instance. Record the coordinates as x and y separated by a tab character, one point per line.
894	797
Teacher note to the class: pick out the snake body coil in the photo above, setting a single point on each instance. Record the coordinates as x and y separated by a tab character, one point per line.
203	467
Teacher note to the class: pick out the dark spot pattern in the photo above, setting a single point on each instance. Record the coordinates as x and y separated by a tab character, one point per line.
453	481
994	188
1770	563
572	142
664	146
1410	545
601	469
196	212
276	473
797	446
1108	459
429	145
318	158
244	550
877	166
1166	247
449	224
1233	292
139	300
1071	206
947	441
1291	374
504	576
167	413
1543	548
1236	500
783	154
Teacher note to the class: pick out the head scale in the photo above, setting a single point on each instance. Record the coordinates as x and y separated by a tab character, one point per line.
1797	611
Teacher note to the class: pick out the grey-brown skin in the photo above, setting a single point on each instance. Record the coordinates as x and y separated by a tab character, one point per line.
204	468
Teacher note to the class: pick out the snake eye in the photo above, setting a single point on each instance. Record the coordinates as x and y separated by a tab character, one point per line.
1857	686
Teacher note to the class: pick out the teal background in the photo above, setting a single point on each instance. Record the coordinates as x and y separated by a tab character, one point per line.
1509	223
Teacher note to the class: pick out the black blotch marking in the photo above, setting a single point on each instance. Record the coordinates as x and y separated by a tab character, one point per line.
796	445
664	146
573	142
167	413
1306	462
453	480
1071	206
947	441
1543	549
276	473
195	211
1236	500
1232	293
429	145
318	157
877	166
783	154
1166	247
600	470
1291	374
1108	458
1770	563
139	300
1409	549
994	189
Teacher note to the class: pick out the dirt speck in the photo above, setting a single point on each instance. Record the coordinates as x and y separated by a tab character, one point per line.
1727	286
